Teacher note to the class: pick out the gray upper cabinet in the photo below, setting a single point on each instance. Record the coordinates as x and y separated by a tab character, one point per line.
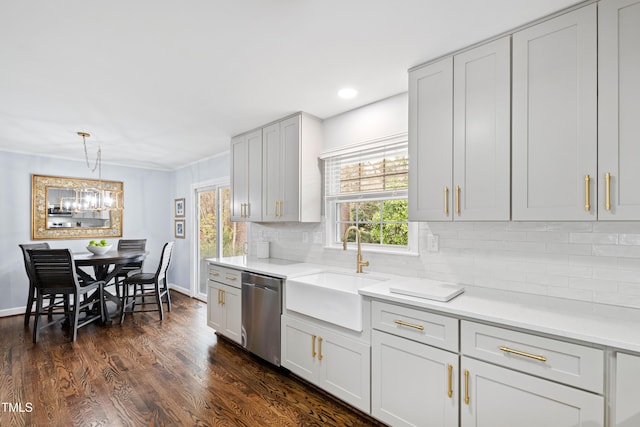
246	177
275	172
482	132
619	110
431	141
555	118
459	136
290	169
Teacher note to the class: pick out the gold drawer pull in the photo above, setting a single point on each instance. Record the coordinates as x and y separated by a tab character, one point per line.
458	199
466	386
411	325
446	200
313	346
229	277
450	378
214	273
319	348
607	191
522	353
587	193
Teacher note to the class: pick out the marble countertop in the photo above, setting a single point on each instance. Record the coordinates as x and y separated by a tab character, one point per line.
601	324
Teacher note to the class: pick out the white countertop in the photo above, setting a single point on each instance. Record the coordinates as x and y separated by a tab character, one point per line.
268	266
601	324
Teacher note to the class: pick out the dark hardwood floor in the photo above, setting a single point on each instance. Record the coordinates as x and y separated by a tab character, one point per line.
150	373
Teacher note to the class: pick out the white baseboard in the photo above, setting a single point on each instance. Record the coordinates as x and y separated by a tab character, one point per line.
12	311
180	289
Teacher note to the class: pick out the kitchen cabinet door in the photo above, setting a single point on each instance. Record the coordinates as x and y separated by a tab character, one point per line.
246	177
224	310
499	397
411	383
431	141
299	349
619	110
291	172
482	132
345	369
554	104
281	145
337	364
215	315
232	312
626	411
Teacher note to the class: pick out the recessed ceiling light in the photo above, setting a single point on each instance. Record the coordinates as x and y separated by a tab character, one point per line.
347	93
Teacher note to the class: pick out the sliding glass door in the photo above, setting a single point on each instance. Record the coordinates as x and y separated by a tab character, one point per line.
217	235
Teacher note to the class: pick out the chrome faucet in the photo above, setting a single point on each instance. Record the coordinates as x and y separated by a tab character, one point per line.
360	262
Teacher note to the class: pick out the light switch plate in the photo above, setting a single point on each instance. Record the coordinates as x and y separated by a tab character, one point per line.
433	243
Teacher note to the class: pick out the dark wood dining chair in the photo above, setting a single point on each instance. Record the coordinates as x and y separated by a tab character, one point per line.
133	267
148	285
31	298
54	273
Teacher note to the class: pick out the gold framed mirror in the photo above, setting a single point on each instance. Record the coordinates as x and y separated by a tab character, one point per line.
75	208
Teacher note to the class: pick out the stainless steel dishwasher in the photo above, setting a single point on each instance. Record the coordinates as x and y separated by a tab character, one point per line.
261	309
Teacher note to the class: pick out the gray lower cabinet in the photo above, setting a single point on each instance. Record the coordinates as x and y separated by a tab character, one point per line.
625	386
413	384
224	302
499	397
323	356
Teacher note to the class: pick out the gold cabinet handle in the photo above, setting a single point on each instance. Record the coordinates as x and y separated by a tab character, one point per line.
214	273
241	210
313	346
522	353
280	207
219	298
275	208
458	199
466	387
229	277
587	193
411	325
319	348
450	378
247	210
607	191
446	200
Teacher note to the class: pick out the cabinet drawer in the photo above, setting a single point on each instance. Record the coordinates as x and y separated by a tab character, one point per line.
433	329
228	276
568	363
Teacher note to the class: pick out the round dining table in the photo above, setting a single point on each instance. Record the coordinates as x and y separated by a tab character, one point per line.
105	267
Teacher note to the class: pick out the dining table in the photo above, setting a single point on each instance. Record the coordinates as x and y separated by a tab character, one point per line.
105	267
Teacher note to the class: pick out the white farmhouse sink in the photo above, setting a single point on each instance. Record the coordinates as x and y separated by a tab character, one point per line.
329	296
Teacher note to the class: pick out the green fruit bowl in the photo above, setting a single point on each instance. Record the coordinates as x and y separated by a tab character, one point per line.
99	250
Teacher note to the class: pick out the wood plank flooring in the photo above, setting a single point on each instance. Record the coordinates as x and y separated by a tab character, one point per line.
150	373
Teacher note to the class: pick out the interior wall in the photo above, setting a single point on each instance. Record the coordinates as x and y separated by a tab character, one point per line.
147	214
183	181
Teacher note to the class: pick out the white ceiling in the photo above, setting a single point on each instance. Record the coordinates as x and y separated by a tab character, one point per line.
163	83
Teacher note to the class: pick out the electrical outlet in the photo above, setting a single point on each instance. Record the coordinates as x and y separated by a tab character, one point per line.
317	237
433	243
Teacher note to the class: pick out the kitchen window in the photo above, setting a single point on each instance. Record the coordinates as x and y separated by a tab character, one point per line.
366	186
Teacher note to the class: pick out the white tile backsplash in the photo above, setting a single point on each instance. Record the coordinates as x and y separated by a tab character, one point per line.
590	261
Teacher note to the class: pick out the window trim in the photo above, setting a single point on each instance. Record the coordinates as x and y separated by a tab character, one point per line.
330	201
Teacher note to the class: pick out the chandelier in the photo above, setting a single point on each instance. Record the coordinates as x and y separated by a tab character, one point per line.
97	199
